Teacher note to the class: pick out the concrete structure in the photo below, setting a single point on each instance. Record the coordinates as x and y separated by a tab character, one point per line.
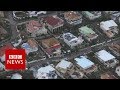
35	28
64	66
16	76
88	33
53	23
72	40
52	47
106	58
110	28
30	46
92	15
47	72
85	64
3	49
19	15
73	17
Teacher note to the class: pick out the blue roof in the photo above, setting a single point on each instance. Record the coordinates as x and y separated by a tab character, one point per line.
84	62
26	46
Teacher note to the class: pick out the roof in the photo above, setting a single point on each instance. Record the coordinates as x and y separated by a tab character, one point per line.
33	25
53	20
46	69
16	76
51	42
115	46
86	31
44	73
107	24
32	42
84	62
104	55
4	48
64	64
72	15
88	13
69	36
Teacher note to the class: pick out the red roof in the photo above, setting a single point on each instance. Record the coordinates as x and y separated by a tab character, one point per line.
33	26
2	49
53	21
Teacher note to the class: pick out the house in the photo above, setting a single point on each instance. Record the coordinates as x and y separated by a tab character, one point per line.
54	23
117	71
30	46
92	15
115	16
72	40
88	33
3	33
110	12
64	66
110	28
85	64
77	75
106	58
2	14
107	75
52	47
115	48
47	72
3	49
16	76
2	67
17	41
35	28
73	17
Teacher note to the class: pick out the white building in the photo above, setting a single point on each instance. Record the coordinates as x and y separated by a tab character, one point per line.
36	13
85	64
16	76
118	70
110	28
92	14
63	66
47	72
106	58
72	40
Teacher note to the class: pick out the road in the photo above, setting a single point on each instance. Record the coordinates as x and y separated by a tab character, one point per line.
83	51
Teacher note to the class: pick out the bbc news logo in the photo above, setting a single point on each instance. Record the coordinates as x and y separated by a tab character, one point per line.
15	59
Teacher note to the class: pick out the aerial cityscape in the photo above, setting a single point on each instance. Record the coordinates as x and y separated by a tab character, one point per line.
62	44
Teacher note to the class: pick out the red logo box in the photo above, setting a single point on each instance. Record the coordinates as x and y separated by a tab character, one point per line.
15	59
